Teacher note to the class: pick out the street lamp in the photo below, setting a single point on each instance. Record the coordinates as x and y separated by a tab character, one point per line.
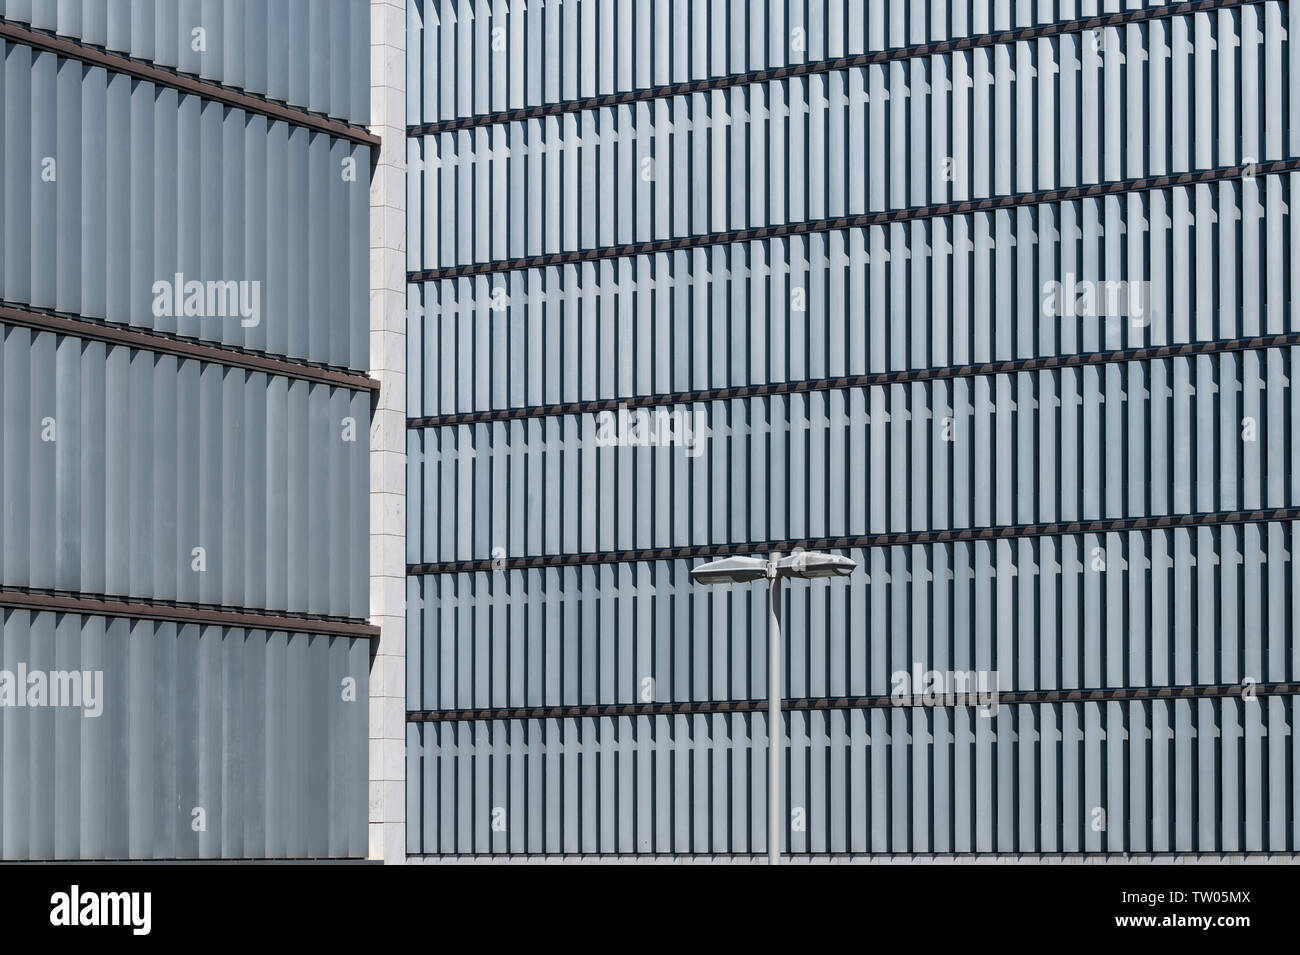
742	570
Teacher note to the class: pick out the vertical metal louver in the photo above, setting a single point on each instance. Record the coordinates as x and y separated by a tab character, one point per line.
209	742
149	182
841	301
184	473
312	54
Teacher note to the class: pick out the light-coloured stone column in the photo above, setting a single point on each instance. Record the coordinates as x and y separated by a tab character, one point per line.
388	432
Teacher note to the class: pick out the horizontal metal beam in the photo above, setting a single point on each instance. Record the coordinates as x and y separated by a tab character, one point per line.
153	73
160	343
906	376
934	48
805	704
102	606
905	538
908	214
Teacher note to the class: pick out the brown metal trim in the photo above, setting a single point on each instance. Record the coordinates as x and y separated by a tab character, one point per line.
711	707
182	347
810	226
185	83
872	379
902	539
933	48
101	606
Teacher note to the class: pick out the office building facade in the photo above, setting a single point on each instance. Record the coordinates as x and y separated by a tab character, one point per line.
184	460
993	297
374	374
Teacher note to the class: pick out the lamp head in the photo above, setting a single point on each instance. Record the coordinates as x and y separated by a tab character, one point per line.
730	570
814	564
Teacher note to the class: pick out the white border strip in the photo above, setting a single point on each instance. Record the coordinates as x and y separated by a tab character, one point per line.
388	432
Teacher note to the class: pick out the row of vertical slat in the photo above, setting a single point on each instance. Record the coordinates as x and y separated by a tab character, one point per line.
312	54
1203	606
115	464
1165	776
262	731
113	185
1102	442
1119	272
473	57
1186	93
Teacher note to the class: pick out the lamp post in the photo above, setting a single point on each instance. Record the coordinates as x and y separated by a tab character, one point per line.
743	570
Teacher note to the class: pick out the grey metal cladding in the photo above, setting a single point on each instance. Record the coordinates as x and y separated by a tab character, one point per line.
114	184
1108	442
249	726
716	317
1208	607
1173	606
169	479
116	463
1154	776
313	54
1011	118
463	63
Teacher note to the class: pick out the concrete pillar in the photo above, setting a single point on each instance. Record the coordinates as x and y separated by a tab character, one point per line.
388	432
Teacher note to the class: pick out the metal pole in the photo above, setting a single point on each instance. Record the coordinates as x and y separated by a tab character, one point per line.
774	730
